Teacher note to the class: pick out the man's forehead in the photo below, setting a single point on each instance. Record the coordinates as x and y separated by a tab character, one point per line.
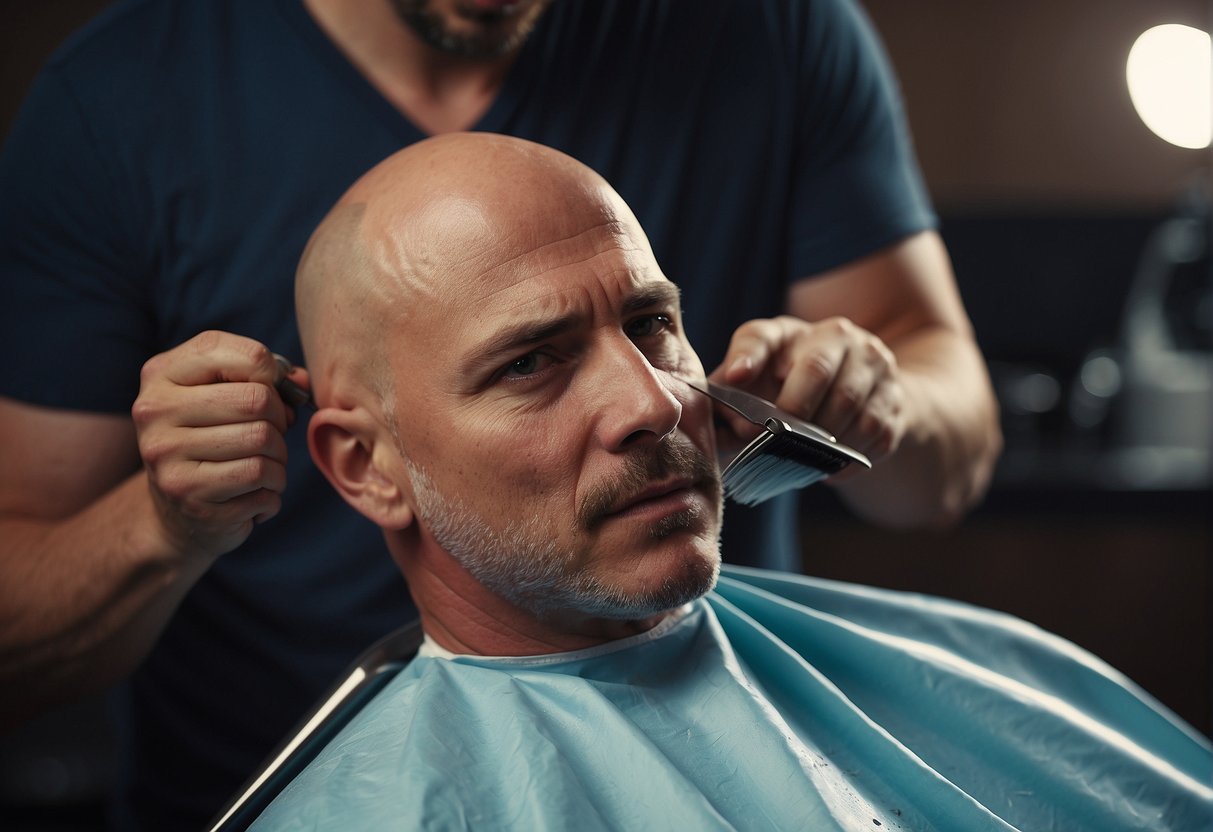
618	291
559	269
527	259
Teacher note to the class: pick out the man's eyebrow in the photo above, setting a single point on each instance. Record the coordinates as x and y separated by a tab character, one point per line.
656	294
527	333
519	335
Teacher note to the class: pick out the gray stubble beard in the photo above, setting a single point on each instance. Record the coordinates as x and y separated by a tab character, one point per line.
523	564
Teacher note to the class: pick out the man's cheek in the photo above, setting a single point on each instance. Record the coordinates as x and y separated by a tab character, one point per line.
682	362
533	475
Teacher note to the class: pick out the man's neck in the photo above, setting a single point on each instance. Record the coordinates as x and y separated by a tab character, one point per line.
462	616
437	91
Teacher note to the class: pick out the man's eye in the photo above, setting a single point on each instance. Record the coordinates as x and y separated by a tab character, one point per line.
527	365
648	325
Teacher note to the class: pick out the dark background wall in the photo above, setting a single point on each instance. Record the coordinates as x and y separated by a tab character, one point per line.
1025	104
1048	187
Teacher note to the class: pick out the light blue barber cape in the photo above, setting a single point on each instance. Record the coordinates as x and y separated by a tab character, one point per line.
777	702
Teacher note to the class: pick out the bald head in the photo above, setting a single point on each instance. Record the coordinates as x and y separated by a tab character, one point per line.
499	365
388	251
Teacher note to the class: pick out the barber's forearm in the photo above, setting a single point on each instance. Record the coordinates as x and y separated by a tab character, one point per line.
952	441
82	599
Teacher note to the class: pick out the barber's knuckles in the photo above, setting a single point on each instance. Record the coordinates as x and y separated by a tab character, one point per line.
215	355
211	357
207	402
209	508
879	426
235	441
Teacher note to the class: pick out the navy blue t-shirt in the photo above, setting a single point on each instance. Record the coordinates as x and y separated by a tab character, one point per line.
173	157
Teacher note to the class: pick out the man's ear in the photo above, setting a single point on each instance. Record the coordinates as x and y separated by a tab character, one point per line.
350	449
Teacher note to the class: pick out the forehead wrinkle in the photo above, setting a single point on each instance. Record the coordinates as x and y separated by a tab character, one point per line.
612	241
633	267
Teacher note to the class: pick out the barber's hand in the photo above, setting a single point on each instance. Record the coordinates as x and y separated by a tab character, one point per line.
210	427
832	373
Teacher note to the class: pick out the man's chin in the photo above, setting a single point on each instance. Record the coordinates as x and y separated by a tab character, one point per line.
656	586
473	33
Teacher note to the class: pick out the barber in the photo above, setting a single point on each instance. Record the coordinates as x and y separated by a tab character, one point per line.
161	181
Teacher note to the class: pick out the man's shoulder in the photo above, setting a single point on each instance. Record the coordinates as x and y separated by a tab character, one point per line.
144	40
120	29
655	25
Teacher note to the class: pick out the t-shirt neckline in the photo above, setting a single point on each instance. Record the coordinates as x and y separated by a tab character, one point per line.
514	86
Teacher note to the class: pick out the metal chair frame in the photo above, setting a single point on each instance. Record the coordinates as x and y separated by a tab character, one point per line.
364	678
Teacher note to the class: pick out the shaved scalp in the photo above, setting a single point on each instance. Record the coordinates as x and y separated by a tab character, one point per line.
445	204
340	306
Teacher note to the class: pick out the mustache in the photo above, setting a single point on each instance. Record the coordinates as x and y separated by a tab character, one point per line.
669	459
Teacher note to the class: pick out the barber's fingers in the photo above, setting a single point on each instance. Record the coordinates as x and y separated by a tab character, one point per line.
216	356
789	361
751	349
209	508
216	443
831	372
847	380
192	467
214	378
879	427
748	364
209	405
836	370
815	362
205	485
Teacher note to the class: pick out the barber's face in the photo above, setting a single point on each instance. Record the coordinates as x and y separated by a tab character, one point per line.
477	29
552	445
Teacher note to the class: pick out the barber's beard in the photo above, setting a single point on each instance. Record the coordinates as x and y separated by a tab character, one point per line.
524	564
494	34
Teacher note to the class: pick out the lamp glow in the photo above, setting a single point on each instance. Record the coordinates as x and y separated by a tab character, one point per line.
1168	72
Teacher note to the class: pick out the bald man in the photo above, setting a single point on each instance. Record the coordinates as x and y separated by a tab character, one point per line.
501	377
506	300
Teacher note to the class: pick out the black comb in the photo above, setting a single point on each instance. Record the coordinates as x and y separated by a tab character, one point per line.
291	393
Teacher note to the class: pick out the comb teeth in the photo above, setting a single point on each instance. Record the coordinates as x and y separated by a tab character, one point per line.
778	462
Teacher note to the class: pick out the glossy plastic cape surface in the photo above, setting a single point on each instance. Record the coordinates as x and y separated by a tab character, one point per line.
778	702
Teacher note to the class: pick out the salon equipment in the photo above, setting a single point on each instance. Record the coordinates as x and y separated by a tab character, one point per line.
789	453
373	669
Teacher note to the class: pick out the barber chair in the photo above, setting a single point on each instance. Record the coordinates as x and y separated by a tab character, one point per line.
364	678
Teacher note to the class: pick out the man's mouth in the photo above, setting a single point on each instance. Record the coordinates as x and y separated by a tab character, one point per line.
658	498
654	485
491	9
660	502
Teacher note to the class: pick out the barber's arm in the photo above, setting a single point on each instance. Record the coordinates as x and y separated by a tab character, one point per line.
881	353
108	523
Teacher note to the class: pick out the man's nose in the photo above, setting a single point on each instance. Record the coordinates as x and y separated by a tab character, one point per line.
637	405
